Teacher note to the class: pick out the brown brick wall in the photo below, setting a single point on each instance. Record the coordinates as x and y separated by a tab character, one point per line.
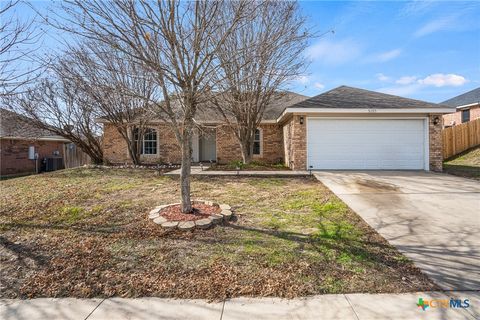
435	144
115	148
229	150
14	154
457	116
295	143
475	113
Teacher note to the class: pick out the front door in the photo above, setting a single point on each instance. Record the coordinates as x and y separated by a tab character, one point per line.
207	145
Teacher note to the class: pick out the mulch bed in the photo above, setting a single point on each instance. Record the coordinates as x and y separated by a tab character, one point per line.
227	167
200	211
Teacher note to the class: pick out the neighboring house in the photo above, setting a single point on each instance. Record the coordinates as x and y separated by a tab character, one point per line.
21	143
467	108
344	128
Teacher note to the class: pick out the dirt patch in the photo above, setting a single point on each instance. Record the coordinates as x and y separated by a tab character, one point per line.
200	211
373	185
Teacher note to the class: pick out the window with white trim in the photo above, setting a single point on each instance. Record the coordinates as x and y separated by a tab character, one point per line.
465	115
257	142
149	141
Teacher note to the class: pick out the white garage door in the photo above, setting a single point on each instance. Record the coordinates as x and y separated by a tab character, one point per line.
366	144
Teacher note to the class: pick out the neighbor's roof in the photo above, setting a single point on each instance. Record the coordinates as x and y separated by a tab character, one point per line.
353	98
464	99
16	126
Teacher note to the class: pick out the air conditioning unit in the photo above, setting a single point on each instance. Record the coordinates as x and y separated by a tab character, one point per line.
53	164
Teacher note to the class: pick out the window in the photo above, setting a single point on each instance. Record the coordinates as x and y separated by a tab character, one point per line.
256	142
149	143
465	115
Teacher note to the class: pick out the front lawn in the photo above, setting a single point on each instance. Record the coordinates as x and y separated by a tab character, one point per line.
85	233
466	164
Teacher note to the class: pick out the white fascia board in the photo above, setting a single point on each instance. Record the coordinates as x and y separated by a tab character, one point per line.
468	105
366	111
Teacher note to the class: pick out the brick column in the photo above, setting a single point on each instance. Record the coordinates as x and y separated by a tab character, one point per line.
435	143
299	142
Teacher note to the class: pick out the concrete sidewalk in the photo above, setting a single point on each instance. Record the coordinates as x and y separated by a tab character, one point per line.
199	171
341	306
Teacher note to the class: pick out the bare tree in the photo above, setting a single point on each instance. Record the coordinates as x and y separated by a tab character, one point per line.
256	61
122	89
57	105
175	41
17	43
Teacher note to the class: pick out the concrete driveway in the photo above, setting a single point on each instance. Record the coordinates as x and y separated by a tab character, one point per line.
434	219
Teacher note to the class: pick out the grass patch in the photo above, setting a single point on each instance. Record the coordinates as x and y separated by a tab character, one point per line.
466	164
85	233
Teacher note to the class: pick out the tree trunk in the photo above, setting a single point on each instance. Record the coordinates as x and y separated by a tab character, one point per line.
132	144
132	150
185	171
245	140
246	153
96	159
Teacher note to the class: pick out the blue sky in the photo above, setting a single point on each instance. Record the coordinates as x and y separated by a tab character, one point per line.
427	50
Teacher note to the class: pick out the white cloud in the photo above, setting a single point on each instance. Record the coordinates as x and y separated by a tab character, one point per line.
445	23
303	79
388	55
319	85
383	56
406	80
401	90
382	77
409	85
334	52
417	7
443	80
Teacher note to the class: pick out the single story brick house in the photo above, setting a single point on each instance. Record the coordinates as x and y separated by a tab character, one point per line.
344	128
467	108
21	143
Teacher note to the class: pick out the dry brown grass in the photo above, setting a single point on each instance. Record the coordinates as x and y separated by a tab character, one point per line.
85	233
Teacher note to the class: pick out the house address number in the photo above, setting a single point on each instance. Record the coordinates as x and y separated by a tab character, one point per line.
372	110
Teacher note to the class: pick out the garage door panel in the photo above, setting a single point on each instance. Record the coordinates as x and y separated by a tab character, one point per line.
365	144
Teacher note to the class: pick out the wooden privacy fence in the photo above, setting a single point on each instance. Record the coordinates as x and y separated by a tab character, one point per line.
460	138
73	156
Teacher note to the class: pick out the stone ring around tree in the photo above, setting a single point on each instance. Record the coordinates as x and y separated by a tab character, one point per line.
205	214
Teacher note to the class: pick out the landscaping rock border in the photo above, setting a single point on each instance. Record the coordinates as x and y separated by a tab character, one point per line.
225	215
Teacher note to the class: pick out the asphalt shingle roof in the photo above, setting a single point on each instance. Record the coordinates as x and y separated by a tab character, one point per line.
272	111
469	97
207	112
354	98
14	125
